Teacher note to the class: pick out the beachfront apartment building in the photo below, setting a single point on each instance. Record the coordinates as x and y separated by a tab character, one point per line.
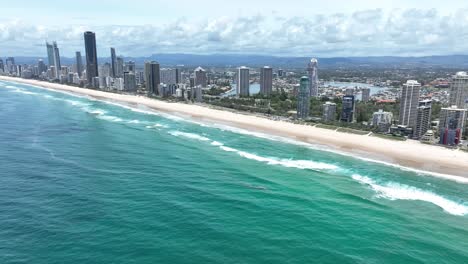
303	99
409	102
459	90
452	124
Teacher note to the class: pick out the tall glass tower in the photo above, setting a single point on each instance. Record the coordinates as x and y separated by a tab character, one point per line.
303	99
91	56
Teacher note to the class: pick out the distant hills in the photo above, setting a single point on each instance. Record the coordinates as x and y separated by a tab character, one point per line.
234	60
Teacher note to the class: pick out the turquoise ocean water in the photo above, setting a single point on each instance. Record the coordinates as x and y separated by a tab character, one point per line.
85	181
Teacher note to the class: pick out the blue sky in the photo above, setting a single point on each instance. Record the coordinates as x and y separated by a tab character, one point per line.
286	28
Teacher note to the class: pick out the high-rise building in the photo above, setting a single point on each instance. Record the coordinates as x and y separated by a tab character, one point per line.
105	70
50	54
452	123
303	98
129	81
2	67
10	65
329	112
280	73
79	63
113	63
119	70
459	90
409	104
243	81
382	120
349	91
423	119
347	112
312	73
170	76
53	56
200	77
130	66
41	67
266	80
365	94
152	77
91	56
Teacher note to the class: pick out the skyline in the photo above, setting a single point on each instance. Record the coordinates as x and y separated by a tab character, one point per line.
361	28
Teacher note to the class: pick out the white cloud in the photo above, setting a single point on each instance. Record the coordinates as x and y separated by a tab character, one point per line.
362	33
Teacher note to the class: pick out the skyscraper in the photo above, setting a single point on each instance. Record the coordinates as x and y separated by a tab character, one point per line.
303	99
113	63
452	123
50	54
91	56
200	77
41	67
152	77
170	76
79	63
119	70
329	112
130	66
53	56
347	111
423	119
459	90
10	65
2	67
266	80
129	81
365	94
409	103
312	73
243	81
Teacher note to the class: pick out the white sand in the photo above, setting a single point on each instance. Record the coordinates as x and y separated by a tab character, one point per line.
440	161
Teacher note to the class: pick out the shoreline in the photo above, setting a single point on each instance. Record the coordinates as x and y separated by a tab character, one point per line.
411	155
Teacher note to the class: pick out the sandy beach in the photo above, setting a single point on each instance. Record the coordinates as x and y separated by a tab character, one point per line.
441	162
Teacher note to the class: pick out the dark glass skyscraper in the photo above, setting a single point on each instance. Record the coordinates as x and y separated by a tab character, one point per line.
266	80
113	63
79	63
152	77
91	56
347	112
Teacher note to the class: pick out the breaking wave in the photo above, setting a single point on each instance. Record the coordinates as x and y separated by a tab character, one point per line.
396	191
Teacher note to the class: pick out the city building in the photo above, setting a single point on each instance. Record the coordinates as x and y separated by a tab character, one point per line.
170	76
459	90
365	94
53	56
347	112
152	77
113	63
10	65
130	82
349	91
312	73
130	66
329	112
2	67
409	102
91	56
303	99
280	73
243	81
200	78
423	119
41	67
50	54
119	70
266	80
451	125
382	121
79	63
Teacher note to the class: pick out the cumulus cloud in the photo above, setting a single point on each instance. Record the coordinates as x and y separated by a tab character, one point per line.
405	32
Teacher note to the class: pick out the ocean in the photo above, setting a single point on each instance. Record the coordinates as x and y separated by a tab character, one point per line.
87	181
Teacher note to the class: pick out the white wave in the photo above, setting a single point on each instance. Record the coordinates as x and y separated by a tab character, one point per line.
189	135
216	143
157	126
289	163
319	147
22	91
11	87
228	149
110	118
135	121
395	191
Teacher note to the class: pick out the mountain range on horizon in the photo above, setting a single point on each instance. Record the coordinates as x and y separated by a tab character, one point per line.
235	60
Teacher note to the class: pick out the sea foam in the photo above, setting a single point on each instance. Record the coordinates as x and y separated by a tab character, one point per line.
189	135
396	191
